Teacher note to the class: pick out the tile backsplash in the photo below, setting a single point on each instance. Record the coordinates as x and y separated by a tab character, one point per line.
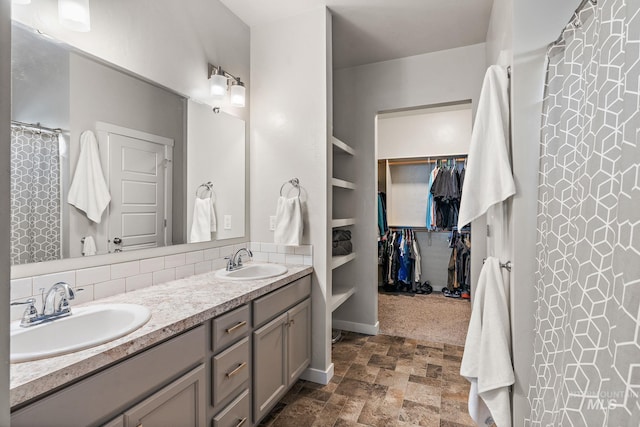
106	280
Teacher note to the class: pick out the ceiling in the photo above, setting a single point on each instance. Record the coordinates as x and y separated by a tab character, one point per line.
367	31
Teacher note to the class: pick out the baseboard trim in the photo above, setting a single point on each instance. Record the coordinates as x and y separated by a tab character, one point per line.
317	375
361	328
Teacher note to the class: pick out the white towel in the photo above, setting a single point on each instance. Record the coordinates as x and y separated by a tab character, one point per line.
213	223
486	361
89	191
288	222
201	224
488	178
89	246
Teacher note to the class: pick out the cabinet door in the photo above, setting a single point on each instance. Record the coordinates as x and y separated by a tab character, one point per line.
181	403
116	422
270	365
299	337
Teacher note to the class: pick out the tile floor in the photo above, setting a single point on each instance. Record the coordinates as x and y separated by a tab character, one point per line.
381	381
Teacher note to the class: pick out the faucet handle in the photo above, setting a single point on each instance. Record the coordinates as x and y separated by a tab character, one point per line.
30	313
30	301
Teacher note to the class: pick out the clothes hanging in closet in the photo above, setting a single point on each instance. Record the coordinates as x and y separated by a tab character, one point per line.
400	259
446	192
382	213
431	224
459	268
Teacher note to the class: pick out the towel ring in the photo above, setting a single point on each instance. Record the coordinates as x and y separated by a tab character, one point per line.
208	188
294	182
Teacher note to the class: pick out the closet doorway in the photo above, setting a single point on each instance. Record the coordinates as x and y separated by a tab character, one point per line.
424	283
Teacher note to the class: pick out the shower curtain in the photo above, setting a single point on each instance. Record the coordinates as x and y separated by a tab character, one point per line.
586	369
35	196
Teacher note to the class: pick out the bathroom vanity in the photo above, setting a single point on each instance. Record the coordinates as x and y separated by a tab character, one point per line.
214	353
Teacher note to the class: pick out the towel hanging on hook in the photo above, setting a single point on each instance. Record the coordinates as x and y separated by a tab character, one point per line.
294	182
289	223
208	190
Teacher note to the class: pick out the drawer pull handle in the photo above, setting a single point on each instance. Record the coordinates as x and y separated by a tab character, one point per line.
239	325
291	322
235	371
242	421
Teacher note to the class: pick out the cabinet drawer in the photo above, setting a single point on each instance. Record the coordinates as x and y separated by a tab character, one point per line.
270	305
236	414
230	370
230	327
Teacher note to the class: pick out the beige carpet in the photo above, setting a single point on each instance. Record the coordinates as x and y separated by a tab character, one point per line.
432	317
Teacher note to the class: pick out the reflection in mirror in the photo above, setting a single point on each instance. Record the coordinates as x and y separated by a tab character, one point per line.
57	94
215	174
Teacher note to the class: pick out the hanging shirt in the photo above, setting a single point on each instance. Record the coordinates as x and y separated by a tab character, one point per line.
417	267
430	203
405	260
382	214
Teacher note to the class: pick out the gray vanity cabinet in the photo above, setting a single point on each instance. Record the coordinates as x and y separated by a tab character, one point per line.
270	376
211	375
168	375
282	345
181	403
299	340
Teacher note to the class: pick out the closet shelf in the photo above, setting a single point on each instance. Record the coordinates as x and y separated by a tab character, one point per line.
341	183
338	261
341	147
342	222
340	294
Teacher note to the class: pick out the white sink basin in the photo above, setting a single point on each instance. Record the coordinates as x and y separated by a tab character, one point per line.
253	272
85	327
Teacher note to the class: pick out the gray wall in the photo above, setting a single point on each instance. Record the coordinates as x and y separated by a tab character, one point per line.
5	138
40	80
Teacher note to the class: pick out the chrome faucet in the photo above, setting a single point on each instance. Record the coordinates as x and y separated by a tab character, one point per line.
65	293
52	307
235	261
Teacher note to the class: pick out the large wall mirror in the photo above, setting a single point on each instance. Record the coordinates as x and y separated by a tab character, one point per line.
160	156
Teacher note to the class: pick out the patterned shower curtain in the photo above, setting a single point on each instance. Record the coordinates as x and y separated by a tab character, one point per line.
35	196
586	369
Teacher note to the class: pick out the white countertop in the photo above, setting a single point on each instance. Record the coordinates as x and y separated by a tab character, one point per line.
175	307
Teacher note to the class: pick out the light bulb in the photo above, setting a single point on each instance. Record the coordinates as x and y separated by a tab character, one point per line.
237	94
218	85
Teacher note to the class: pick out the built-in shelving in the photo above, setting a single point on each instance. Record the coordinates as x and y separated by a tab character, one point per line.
341	147
342	166
341	183
338	261
342	222
340	293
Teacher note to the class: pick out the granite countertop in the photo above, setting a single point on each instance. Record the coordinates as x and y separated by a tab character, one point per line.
175	307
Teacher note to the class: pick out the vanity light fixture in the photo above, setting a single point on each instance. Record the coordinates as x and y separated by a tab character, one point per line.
237	93
75	15
220	81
